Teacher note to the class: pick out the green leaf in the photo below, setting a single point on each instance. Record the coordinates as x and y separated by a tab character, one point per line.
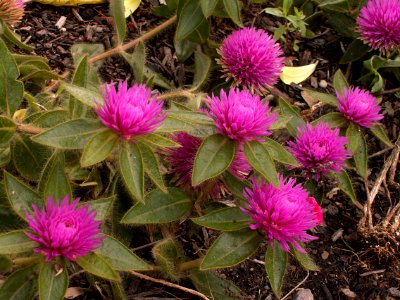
323	97
296	121
120	257
224	219
346	186
231	248
102	207
344	24
190	18
54	181
10	36
20	196
97	265
132	170
81	77
70	135
85	95
52	284
304	260
202	68
167	255
275	264
259	158
279	153
117	10
156	79
286	5
156	140
45	119
214	287
20	285
152	166
207	6
380	133
6	264
232	7
213	157
99	147
356	50
159	208
7	130
138	61
358	146
234	184
335	119
275	11
11	89
184	48
14	242
340	81
5	156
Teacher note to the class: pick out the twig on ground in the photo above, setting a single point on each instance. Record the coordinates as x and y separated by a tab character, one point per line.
297	286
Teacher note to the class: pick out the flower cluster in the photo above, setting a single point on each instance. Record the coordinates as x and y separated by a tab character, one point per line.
284	214
64	229
252	58
379	24
241	116
130	112
359	106
11	11
320	149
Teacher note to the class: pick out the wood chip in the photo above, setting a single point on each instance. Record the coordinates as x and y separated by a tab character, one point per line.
325	255
338	233
61	22
349	294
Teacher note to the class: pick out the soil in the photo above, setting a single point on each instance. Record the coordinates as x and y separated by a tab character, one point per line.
352	266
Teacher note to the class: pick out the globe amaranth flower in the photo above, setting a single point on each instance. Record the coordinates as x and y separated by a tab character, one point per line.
379	24
181	161
359	106
319	149
284	214
11	11
64	229
130	111
240	115
252	57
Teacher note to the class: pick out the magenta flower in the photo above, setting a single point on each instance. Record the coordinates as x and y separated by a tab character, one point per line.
63	229
11	11
241	116
130	112
320	149
284	214
252	58
359	106
181	161
379	24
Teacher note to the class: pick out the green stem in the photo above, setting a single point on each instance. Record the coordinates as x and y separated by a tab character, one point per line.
188	265
25	261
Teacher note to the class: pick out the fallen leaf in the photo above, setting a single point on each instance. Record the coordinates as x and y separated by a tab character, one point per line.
297	74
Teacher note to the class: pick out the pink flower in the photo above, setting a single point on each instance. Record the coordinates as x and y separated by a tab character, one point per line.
284	214
63	229
320	149
130	112
181	161
11	11
252	58
359	106
241	116
379	24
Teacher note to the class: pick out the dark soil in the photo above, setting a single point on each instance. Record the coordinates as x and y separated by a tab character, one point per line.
367	266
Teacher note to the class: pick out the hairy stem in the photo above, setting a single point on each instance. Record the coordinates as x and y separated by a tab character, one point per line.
27	128
188	265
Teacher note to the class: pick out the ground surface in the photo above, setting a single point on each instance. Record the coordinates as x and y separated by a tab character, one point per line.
351	265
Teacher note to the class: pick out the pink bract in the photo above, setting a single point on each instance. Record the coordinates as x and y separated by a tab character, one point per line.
359	106
284	214
64	229
252	57
241	116
130	111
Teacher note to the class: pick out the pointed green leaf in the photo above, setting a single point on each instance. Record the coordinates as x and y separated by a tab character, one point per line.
52	284
213	157
235	185
323	97
20	285
232	7
207	6
137	61
156	140
380	133
355	50
120	257
45	119
231	248
358	146
190	18
276	261
346	186
20	196
132	170
117	10
97	265
99	147
10	36
296	121
259	158
85	95
70	135
340	81
76	108
102	207
6	264
7	130
335	119
279	153
159	208
14	242
224	219
202	68
304	260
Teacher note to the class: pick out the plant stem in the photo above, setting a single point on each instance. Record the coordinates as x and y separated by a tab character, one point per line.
188	265
25	261
146	36
175	94
27	128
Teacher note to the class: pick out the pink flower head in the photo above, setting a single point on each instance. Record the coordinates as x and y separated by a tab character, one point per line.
130	112
63	229
252	58
284	214
320	149
241	116
359	106
11	11
181	161
379	24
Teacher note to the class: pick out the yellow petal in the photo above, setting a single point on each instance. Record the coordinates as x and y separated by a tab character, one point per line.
297	74
131	6
19	115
